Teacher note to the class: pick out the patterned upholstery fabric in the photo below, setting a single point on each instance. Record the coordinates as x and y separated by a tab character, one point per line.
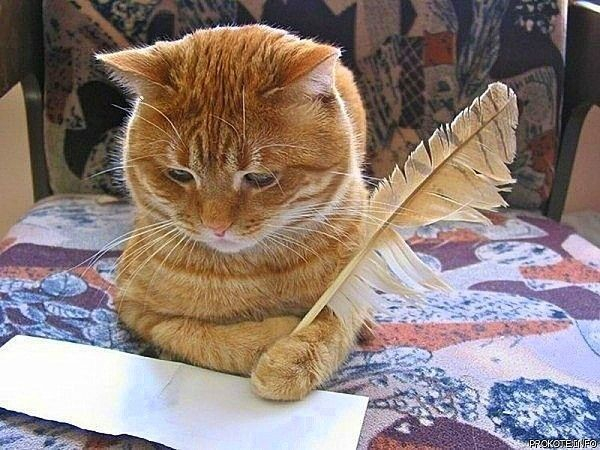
417	62
513	354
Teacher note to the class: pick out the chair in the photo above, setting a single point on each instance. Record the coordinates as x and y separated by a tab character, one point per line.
511	356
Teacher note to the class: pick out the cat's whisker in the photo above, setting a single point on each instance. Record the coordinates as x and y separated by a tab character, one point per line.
149	156
167	119
149	122
273	175
309	230
133	257
369	181
288	239
154	141
319	209
147	234
276	240
244	113
368	206
360	215
190	253
128	160
366	214
267	249
280	145
112	169
181	251
115	242
92	260
137	249
226	122
310	217
171	239
157	270
335	212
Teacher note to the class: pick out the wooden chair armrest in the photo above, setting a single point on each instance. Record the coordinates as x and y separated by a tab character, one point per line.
20	42
22	60
582	91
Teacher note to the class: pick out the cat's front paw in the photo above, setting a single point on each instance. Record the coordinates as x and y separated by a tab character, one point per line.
288	370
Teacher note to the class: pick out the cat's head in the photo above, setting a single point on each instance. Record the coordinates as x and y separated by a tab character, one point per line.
238	134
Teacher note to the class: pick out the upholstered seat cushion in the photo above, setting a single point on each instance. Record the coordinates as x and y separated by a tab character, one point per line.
511	355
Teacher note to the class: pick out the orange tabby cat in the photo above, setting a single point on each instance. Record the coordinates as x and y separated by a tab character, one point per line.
243	156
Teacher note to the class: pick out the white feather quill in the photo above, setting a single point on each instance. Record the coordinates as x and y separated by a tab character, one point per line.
459	171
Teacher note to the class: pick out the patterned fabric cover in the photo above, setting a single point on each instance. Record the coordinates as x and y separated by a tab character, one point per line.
513	354
418	62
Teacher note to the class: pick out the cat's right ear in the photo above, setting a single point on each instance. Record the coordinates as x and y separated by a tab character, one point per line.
309	71
313	71
141	70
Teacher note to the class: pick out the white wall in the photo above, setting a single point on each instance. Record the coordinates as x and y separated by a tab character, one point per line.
16	191
584	188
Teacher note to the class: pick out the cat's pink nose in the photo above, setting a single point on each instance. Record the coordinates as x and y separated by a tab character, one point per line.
219	228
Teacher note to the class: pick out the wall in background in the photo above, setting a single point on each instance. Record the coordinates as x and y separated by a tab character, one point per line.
16	192
584	188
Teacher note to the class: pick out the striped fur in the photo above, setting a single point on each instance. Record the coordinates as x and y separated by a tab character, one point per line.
220	103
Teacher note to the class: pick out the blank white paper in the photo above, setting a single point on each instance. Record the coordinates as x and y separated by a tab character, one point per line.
175	404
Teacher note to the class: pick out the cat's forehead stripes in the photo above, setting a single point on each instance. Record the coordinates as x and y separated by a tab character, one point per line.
218	81
211	143
195	159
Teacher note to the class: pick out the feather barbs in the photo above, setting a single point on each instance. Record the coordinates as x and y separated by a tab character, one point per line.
458	172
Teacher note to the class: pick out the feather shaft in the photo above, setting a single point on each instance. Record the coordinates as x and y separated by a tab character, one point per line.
458	172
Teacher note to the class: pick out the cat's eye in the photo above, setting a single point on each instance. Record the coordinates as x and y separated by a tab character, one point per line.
260	179
181	176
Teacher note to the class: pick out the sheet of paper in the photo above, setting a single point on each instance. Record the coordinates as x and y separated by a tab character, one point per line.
180	406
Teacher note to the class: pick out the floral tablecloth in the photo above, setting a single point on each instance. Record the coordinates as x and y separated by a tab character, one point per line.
512	354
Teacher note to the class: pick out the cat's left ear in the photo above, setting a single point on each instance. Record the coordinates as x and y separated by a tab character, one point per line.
313	70
140	69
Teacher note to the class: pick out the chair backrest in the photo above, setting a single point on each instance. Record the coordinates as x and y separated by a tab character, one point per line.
417	63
